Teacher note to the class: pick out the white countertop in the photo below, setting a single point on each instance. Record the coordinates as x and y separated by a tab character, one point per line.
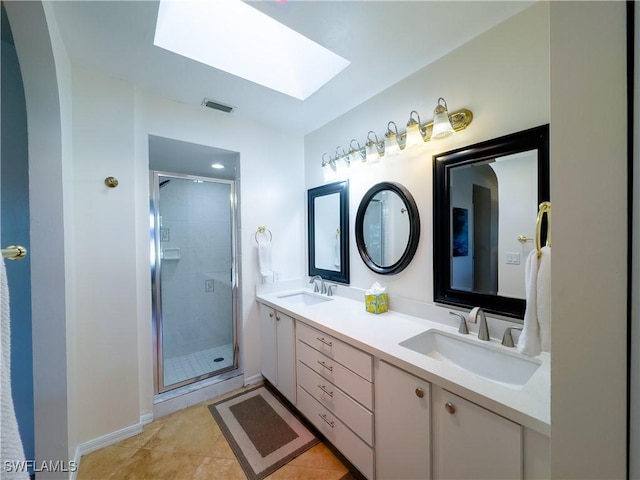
380	335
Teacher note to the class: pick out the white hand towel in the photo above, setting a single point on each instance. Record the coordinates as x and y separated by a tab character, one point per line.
537	316
529	341
544	299
10	442
264	258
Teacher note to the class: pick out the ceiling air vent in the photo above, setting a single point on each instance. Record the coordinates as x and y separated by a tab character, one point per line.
217	106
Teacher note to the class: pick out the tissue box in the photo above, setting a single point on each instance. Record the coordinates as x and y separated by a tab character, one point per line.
376	303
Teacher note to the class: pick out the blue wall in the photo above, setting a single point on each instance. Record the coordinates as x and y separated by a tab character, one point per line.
14	229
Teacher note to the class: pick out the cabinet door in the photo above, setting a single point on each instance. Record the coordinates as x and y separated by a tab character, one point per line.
470	442
401	424
286	355
268	361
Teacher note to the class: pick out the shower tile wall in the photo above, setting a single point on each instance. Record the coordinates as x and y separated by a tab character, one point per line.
196	269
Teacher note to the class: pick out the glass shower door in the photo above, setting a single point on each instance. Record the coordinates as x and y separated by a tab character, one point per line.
194	278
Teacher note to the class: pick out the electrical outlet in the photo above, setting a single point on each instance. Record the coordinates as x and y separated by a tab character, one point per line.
208	285
164	235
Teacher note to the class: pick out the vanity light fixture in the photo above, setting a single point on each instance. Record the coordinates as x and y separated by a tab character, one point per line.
391	145
414	136
373	148
443	125
341	162
357	155
328	168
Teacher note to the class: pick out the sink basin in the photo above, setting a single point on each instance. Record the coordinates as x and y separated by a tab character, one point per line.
488	361
304	298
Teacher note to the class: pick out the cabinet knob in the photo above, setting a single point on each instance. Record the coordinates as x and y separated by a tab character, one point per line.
270	314
419	392
450	408
278	318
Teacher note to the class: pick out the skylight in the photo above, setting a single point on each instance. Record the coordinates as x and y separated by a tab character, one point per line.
232	36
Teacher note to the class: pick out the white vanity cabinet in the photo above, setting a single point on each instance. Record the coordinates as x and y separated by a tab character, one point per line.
277	350
470	442
402	424
335	393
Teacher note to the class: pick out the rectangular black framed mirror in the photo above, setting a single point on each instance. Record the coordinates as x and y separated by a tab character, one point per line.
486	199
328	231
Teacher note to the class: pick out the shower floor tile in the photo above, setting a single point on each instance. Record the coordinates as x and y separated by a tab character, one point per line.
182	368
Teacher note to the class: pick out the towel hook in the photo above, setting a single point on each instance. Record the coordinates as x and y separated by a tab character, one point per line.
545	207
264	231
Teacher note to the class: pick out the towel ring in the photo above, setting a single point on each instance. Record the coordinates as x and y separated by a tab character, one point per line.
264	231
545	207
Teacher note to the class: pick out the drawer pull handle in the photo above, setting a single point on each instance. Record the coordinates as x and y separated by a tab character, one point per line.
419	392
324	389
324	417
322	340
324	365
450	408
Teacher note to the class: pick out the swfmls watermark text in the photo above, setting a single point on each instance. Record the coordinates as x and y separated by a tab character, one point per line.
39	466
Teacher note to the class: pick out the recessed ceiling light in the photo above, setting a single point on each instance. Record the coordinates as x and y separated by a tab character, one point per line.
232	36
217	165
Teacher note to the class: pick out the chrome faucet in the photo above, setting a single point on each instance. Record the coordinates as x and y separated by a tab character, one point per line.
507	338
483	330
463	323
323	289
330	289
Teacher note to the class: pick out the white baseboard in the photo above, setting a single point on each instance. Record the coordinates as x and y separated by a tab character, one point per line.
146	418
108	439
253	380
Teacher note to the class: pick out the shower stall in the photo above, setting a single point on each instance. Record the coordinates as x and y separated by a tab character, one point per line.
193	266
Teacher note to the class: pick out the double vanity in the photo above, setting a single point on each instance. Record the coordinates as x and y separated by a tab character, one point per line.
406	394
401	396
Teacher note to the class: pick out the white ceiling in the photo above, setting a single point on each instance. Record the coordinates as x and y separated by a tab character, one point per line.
385	41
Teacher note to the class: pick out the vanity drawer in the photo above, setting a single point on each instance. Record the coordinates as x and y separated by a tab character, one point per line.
356	451
354	385
352	358
359	419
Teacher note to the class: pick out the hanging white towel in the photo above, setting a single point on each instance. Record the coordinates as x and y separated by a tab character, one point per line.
544	299
537	316
11	449
264	262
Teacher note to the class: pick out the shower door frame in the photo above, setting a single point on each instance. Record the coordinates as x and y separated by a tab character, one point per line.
156	272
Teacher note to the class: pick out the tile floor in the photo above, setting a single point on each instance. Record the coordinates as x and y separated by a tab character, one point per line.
195	364
189	445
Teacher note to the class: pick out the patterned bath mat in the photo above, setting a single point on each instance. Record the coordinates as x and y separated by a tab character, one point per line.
263	434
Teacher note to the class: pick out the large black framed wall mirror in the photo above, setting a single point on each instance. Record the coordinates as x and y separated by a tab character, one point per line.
486	199
387	228
328	231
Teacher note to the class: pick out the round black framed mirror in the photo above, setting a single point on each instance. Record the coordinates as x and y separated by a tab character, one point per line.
387	228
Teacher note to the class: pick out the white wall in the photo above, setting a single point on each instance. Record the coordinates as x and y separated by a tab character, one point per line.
589	224
106	291
114	349
487	76
46	77
518	206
